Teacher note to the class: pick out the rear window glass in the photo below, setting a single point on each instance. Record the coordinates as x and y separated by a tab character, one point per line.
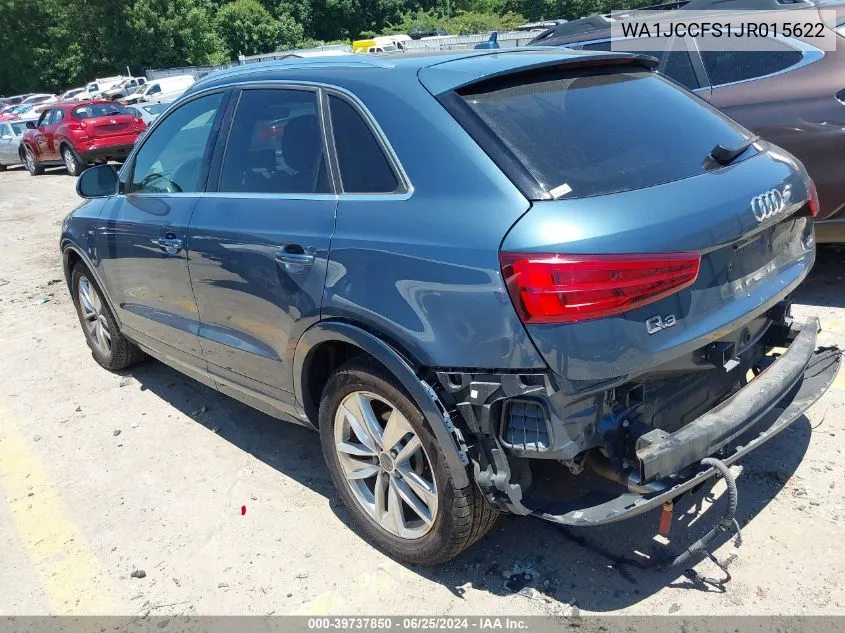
590	134
99	109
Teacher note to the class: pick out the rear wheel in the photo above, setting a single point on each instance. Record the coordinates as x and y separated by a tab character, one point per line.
391	472
72	162
31	163
108	346
2	167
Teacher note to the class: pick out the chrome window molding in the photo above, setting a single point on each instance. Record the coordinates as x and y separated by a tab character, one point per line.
407	187
404	186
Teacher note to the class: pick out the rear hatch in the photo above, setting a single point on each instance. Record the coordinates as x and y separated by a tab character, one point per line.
103	120
658	225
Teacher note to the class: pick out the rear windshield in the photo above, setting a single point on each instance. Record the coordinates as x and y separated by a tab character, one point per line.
99	109
603	132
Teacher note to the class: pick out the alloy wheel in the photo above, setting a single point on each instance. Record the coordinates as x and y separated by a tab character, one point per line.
93	317
385	465
69	162
30	160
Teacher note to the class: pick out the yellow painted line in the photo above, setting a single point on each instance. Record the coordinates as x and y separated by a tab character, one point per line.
70	574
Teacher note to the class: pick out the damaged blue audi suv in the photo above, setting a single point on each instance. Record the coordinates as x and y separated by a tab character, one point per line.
529	281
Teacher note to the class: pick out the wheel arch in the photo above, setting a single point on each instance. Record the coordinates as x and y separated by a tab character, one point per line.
346	340
71	255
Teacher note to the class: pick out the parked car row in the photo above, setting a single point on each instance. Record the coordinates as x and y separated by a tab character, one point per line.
74	134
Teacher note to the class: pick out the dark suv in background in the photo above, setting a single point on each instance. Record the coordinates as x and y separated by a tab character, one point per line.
486	294
791	93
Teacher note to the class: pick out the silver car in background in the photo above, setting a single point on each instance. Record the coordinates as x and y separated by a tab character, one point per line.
147	112
10	140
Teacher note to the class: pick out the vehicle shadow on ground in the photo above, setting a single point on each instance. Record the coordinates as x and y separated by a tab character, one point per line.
577	566
823	286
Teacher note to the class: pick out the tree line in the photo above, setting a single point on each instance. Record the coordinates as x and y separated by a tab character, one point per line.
52	45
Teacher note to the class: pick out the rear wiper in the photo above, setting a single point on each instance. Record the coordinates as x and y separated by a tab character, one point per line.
726	155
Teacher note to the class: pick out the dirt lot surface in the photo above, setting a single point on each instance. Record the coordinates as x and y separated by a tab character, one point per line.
103	475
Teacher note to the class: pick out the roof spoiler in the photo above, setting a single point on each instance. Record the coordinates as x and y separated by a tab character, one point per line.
570	62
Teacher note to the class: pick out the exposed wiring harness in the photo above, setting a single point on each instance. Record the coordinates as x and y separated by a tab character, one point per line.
726	523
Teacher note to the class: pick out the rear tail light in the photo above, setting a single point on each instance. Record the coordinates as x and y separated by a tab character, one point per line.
77	125
551	288
813	202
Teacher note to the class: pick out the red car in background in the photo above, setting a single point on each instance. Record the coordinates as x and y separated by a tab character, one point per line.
74	134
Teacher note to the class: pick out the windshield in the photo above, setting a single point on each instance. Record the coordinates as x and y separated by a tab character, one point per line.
144	89
22	109
18	128
99	109
612	130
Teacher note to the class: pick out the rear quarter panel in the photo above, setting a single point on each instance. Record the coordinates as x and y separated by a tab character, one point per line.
422	269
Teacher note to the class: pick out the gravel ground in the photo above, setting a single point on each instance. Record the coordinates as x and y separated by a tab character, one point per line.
125	493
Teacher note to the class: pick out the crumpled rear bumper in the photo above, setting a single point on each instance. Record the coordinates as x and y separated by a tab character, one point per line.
771	402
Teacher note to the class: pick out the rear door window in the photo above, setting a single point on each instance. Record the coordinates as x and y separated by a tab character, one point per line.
728	66
275	145
363	166
585	134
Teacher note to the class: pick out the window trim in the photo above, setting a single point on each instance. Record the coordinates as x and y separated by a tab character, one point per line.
323	90
809	55
403	186
128	170
222	145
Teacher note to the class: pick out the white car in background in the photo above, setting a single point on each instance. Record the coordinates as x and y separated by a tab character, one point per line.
147	112
95	88
74	94
40	98
123	88
160	90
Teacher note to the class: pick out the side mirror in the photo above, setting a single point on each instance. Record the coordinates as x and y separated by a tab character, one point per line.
30	125
6	137
99	181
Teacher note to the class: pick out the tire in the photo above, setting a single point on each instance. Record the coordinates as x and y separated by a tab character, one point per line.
31	163
108	346
461	515
72	162
2	167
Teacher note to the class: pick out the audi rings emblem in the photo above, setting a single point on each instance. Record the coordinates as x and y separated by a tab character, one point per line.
769	204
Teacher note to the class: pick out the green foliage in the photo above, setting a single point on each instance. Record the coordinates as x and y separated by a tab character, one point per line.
460	23
52	45
247	28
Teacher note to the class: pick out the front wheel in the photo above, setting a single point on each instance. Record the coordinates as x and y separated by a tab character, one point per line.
391	472
73	165
108	346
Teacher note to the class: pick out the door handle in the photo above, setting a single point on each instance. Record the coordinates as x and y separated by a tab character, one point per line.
170	245
295	258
